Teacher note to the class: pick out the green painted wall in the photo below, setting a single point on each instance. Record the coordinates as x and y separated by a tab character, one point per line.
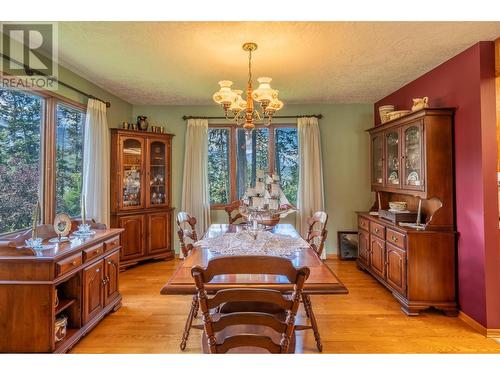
344	147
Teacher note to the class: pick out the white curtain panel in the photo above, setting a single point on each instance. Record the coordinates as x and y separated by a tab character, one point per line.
195	198
96	162
310	196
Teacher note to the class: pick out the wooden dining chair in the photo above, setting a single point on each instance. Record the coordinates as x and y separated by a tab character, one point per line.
317	232
233	213
252	324
186	230
316	237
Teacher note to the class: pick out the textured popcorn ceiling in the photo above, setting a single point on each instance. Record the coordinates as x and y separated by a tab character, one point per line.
310	62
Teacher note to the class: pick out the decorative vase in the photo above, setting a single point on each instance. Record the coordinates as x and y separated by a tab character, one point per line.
142	123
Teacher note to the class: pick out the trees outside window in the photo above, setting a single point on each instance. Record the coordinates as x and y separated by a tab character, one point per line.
219	165
69	159
21	117
235	156
41	157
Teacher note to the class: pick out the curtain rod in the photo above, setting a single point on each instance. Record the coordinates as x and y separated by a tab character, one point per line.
320	116
30	72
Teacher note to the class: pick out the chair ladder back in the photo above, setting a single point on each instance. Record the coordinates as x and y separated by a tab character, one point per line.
186	229
248	265
317	232
233	213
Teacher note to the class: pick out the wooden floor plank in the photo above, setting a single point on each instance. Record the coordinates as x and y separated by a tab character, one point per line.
367	320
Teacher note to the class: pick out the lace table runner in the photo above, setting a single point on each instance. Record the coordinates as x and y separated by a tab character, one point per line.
260	243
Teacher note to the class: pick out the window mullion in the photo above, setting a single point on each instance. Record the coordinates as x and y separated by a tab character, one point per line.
271	148
48	174
233	162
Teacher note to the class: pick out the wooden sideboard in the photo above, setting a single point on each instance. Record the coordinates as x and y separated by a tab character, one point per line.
412	161
141	195
83	273
417	266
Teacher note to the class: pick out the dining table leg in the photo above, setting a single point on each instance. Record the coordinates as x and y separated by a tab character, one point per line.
312	318
189	322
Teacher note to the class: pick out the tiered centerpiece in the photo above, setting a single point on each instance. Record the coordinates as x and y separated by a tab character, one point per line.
265	203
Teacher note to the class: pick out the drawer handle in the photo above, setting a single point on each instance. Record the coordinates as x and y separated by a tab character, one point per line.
96	252
97	270
74	262
394	238
376	230
110	262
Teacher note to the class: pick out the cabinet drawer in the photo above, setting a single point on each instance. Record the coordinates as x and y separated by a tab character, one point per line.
112	243
92	252
364	223
396	238
66	265
378	230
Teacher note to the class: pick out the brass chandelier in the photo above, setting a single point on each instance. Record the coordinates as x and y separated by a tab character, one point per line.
242	111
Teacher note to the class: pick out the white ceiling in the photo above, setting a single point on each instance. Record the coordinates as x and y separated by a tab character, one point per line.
310	62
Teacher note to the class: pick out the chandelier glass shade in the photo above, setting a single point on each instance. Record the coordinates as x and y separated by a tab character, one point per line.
240	109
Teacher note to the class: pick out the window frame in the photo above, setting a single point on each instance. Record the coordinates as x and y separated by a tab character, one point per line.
48	150
233	137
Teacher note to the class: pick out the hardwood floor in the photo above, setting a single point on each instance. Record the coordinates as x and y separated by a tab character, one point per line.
367	320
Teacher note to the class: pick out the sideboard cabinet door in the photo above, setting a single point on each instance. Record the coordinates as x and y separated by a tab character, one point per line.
377	251
133	238
111	271
364	247
396	268
93	301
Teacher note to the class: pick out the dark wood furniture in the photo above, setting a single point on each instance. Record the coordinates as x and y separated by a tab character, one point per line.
321	281
141	187
233	213
186	230
316	231
83	273
257	318
412	161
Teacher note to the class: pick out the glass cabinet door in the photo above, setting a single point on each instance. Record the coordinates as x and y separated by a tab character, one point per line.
392	158
157	194
132	173
412	156
377	159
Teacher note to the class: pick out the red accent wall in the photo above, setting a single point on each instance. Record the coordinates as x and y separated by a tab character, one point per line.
467	82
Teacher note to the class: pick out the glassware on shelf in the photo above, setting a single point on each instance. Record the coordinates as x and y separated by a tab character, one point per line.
392	141
378	162
413	157
157	173
132	173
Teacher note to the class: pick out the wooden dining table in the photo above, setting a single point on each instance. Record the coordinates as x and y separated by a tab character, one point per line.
321	281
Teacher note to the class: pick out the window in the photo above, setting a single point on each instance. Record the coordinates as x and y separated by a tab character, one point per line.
253	154
21	117
28	165
287	161
69	159
218	166
234	157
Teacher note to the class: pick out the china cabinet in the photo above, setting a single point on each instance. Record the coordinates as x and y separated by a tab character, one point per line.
417	160
141	194
412	161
